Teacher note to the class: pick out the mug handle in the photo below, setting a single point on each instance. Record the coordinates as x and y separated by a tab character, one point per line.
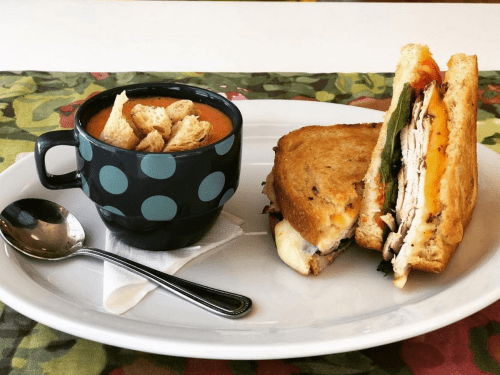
43	144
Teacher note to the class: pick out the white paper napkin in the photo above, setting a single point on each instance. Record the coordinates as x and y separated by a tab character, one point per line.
122	289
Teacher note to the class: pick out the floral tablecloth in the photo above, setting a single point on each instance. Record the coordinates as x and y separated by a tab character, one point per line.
33	102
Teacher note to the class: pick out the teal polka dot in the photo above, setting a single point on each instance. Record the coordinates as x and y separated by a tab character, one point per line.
113	210
223	147
85	148
159	208
159	166
85	186
211	186
113	180
227	195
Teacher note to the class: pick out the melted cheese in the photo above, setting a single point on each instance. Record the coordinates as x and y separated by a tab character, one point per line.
436	152
341	225
292	248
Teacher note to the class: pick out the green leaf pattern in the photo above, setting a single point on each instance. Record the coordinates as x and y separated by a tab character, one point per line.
33	102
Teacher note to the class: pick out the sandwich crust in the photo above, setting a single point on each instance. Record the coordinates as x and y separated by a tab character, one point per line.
437	235
417	67
317	179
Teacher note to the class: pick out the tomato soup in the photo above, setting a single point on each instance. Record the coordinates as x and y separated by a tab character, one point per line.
221	124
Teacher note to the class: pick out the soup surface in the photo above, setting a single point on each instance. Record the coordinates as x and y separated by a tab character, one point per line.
221	124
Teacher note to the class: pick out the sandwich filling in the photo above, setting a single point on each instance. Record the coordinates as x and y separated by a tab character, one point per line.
423	158
294	250
300	254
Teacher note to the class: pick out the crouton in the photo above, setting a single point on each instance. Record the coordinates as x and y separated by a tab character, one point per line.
147	119
188	134
153	142
180	109
117	131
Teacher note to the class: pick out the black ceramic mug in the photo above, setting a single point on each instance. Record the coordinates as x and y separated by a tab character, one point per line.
155	201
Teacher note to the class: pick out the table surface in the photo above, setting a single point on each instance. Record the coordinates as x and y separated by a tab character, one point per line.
45	76
33	102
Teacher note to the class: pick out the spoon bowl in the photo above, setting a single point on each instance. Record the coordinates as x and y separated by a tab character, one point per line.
45	230
41	229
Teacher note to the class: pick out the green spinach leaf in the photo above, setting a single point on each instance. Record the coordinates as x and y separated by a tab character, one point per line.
391	155
399	118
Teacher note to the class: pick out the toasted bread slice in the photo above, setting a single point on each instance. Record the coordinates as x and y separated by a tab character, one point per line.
180	109
147	119
317	178
188	134
117	131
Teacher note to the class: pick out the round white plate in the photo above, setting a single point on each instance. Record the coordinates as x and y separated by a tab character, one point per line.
349	306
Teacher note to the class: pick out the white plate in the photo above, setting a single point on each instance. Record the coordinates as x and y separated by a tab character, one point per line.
349	306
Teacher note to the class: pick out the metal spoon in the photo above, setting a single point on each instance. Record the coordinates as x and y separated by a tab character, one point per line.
46	230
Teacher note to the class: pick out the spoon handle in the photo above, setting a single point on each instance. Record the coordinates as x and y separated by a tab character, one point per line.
222	303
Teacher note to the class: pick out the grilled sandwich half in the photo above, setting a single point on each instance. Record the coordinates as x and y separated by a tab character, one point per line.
315	190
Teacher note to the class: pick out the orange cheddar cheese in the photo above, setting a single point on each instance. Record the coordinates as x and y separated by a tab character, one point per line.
436	154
